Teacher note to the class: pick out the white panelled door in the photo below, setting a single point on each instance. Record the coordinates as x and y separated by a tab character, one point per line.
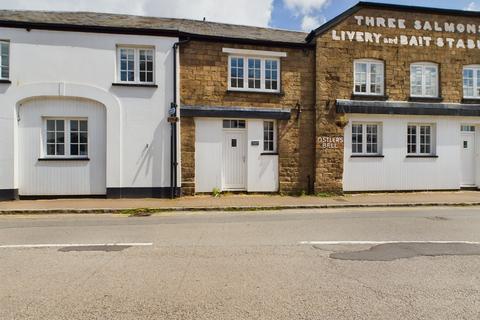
468	158
234	160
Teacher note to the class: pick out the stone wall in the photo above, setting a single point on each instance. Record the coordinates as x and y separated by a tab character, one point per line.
334	74
204	82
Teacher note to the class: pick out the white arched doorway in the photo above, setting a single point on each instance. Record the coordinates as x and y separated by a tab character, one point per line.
61	147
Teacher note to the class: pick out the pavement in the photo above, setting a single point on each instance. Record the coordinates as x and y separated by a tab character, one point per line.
375	263
244	202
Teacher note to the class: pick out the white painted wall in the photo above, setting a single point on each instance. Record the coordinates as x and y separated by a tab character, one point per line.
395	171
60	177
72	64
208	154
262	170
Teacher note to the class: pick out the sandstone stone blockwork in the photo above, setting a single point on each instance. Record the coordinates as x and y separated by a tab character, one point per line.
204	82
334	73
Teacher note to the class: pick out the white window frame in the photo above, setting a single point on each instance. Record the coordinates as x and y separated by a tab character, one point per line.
262	73
136	59
67	138
433	141
369	63
7	43
425	65
274	136
364	138
476	81
236	123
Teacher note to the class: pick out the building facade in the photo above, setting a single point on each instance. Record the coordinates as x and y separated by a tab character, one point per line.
405	83
381	98
84	113
247	116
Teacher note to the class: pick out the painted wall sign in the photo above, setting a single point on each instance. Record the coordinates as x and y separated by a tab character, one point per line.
468	30
326	142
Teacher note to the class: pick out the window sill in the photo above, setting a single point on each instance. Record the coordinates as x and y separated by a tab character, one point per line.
269	154
420	156
471	100
63	159
367	156
274	93
5	81
425	99
138	85
369	97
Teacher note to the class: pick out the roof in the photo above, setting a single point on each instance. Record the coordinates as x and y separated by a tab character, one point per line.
386	6
130	24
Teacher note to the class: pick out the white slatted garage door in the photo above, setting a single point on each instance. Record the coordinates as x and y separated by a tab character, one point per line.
61	146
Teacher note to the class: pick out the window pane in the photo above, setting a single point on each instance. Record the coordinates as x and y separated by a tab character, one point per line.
74	149
50	125
60	149
254	73
268	136
4	59
236	72
357	138
83	149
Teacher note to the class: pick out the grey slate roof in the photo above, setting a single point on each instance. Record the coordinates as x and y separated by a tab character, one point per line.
183	26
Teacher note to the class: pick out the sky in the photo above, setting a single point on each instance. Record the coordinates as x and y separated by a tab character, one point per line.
302	15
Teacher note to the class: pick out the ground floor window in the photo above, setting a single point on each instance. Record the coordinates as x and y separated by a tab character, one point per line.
269	136
420	139
66	137
366	138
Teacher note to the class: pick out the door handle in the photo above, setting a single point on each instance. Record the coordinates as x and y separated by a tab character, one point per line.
243	158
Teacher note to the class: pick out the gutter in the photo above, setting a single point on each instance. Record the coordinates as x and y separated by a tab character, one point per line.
173	119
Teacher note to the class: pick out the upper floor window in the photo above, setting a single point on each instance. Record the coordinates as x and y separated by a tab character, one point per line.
369	77
253	74
136	65
253	70
424	80
471	81
4	60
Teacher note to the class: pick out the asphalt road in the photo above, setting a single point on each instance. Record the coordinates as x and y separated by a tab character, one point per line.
310	264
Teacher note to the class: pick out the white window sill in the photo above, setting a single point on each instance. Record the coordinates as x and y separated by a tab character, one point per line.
422	156
64	159
135	84
359	155
255	91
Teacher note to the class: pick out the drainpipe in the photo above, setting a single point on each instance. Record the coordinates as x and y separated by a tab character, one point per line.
173	119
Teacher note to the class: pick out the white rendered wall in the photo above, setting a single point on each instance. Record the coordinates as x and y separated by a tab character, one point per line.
262	170
208	154
73	64
397	172
60	177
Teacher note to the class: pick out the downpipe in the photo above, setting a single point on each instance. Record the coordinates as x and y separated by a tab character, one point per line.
173	119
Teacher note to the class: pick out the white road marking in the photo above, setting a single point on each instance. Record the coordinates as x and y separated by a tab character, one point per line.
383	242
55	245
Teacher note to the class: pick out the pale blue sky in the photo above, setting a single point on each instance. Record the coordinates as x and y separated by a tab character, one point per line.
286	18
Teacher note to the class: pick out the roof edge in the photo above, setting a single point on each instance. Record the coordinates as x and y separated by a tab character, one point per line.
142	31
